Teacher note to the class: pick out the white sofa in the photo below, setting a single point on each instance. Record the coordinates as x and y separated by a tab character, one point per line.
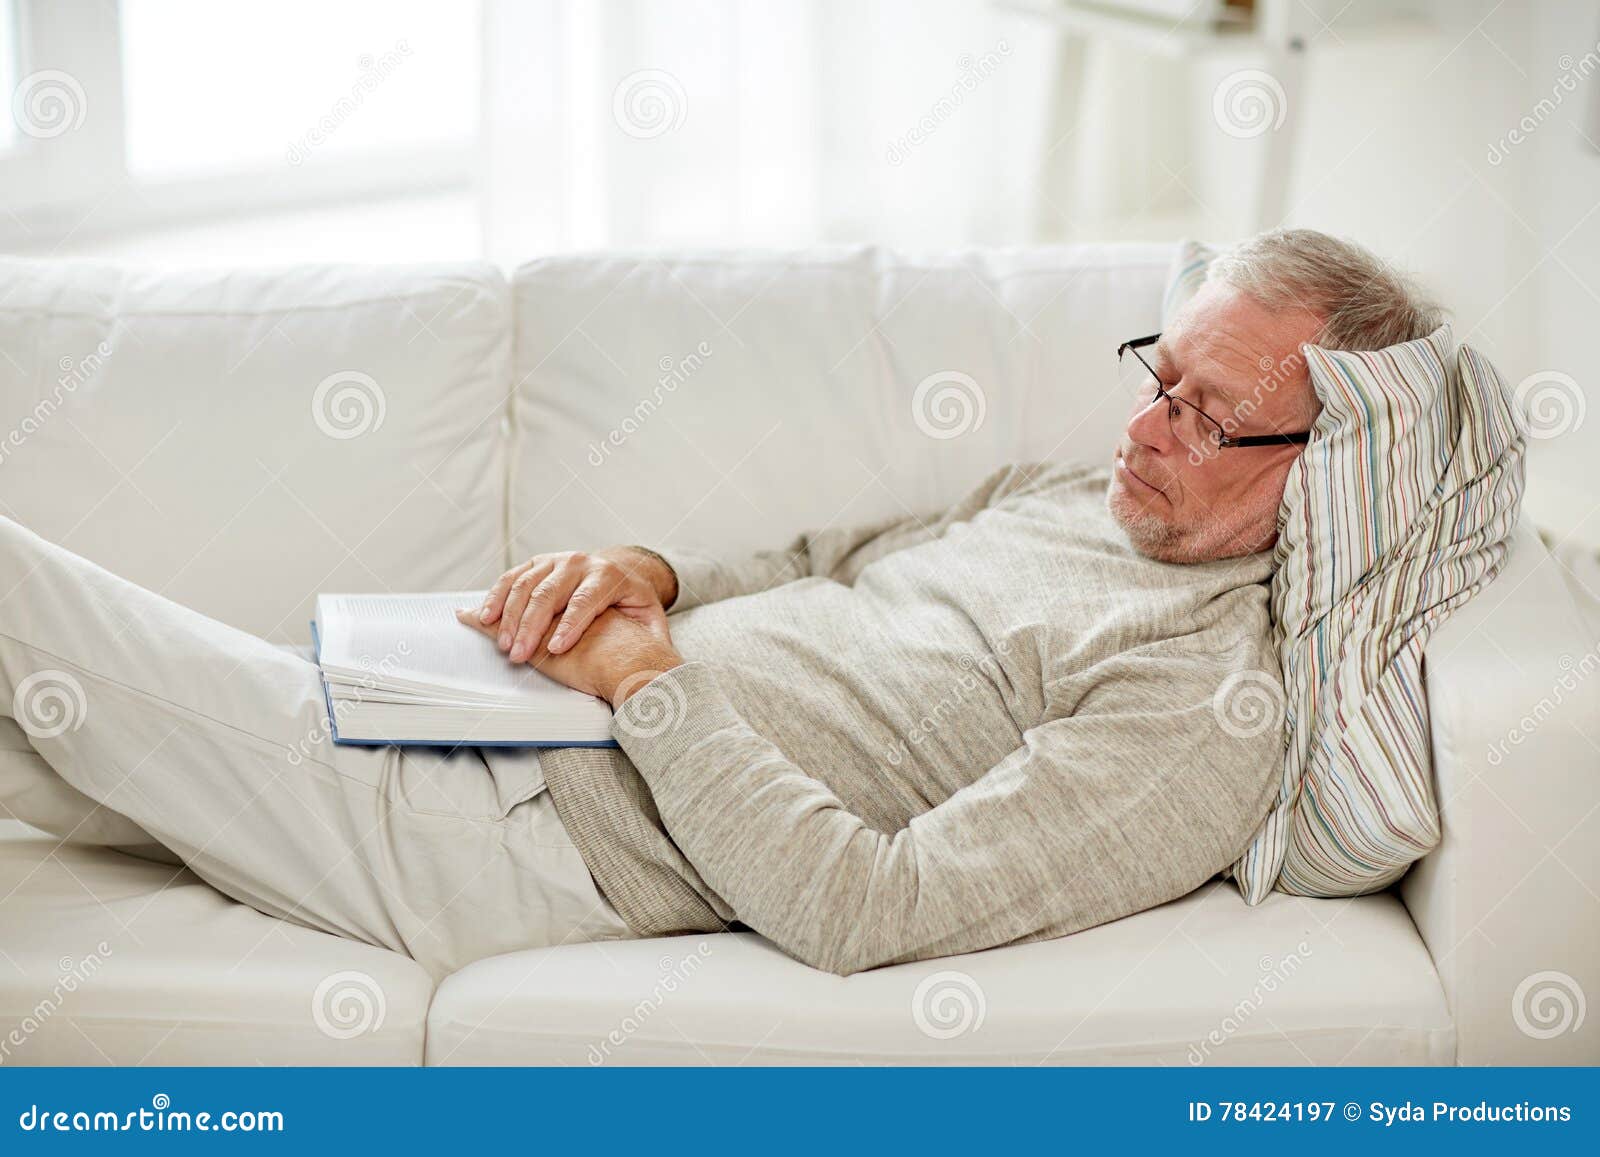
726	400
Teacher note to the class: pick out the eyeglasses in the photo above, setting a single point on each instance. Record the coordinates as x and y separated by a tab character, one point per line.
1202	435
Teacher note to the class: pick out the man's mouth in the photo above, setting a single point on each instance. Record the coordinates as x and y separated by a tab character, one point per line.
1129	473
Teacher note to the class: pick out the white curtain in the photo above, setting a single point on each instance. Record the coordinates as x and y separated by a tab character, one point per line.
764	122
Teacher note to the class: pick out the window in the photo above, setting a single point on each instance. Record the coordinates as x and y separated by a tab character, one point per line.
214	88
8	70
180	110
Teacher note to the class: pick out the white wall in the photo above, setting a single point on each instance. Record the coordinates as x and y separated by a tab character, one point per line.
1402	136
1402	144
1562	172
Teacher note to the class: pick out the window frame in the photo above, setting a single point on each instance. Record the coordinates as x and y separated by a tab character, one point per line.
57	190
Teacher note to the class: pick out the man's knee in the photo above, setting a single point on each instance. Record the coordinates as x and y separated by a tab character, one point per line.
32	791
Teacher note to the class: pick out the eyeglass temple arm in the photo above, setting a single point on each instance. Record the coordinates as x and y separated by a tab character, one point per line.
1138	343
1300	439
1270	440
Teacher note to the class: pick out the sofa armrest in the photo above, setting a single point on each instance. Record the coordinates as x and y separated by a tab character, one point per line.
1509	903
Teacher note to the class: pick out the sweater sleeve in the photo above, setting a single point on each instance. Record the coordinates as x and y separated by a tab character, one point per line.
839	553
1136	799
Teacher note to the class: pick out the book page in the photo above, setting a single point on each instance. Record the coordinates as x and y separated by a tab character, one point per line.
416	639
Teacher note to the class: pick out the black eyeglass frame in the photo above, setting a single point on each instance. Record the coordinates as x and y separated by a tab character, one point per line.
1225	441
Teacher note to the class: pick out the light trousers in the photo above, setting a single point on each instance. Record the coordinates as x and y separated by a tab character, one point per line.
129	721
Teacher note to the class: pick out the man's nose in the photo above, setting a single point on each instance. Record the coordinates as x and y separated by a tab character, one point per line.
1148	425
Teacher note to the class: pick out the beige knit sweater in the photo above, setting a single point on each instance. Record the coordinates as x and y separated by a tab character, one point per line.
999	723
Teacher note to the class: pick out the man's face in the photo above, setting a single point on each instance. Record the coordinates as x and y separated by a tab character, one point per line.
1239	362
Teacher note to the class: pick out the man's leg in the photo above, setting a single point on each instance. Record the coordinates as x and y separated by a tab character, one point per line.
31	791
214	743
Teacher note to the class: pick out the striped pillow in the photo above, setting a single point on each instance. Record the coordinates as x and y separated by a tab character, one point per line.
1186	275
1397	513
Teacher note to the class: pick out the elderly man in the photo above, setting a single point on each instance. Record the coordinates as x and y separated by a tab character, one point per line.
994	724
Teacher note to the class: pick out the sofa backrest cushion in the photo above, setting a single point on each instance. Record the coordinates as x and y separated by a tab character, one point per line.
731	401
239	441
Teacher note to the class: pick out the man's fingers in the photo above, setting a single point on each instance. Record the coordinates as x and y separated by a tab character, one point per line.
548	602
495	601
517	599
474	619
593	595
540	655
544	604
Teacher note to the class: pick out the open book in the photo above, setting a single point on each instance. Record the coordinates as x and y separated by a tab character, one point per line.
400	669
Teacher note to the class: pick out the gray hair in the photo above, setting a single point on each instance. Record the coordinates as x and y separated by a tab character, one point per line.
1363	303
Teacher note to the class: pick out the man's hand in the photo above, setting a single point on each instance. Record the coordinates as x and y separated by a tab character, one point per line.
570	590
616	655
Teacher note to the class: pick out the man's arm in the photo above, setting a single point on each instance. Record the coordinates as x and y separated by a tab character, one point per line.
568	590
836	553
1136	799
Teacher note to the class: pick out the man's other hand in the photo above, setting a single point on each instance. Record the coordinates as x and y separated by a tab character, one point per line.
615	656
567	591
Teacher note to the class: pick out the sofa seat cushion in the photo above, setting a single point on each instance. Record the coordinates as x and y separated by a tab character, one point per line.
1204	979
108	959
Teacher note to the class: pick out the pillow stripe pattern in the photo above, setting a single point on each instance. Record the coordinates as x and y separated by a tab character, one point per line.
1397	513
1186	275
